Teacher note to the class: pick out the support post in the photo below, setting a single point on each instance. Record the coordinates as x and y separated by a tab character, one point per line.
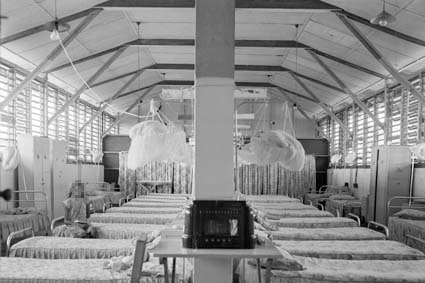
214	106
134	104
109	100
380	58
52	55
346	89
77	94
322	105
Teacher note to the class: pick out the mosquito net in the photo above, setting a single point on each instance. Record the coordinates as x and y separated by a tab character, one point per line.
10	158
153	141
275	146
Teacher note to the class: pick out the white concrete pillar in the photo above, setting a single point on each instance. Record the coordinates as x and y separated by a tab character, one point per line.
214	105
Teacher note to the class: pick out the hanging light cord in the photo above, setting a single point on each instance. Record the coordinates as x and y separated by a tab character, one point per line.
97	97
296	48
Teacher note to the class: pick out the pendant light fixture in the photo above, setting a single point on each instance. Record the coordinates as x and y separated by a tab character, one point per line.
384	18
56	27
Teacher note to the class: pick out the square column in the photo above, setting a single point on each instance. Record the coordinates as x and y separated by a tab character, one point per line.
214	106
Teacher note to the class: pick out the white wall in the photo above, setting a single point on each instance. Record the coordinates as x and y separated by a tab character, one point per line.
90	173
340	176
303	128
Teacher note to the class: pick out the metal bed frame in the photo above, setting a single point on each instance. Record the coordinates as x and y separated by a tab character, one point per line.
34	200
411	205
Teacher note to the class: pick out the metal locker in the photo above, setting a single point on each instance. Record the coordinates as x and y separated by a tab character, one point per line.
389	177
34	169
59	184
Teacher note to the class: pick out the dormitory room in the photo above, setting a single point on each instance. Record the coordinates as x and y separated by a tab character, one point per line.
212	141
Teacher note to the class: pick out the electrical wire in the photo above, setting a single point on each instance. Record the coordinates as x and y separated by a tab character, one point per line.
97	97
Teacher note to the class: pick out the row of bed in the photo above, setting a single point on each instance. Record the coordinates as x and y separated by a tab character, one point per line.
106	258
324	248
33	214
315	246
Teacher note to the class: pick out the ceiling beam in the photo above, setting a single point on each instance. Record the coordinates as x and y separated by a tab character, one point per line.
386	30
42	27
85	59
347	90
52	55
239	84
349	64
256	68
322	105
134	104
109	100
308	5
297	94
238	43
381	59
87	84
302	112
182	42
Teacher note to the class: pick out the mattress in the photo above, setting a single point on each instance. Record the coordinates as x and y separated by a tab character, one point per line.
297	213
143	210
344	206
344	233
284	206
152	204
115	197
399	227
365	271
168	195
97	201
314	222
318	270
10	223
352	250
272	198
71	248
159	200
274	201
132	218
125	231
81	271
314	198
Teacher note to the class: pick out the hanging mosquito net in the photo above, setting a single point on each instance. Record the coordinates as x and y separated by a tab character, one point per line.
157	140
270	147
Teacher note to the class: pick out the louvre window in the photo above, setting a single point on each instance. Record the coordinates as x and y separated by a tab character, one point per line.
404	117
37	103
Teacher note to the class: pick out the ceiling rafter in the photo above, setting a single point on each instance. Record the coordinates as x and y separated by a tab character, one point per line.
43	27
256	68
386	30
239	84
310	5
238	43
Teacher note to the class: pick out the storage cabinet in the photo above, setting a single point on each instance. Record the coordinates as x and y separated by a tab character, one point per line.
112	146
319	148
389	176
34	170
59	176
